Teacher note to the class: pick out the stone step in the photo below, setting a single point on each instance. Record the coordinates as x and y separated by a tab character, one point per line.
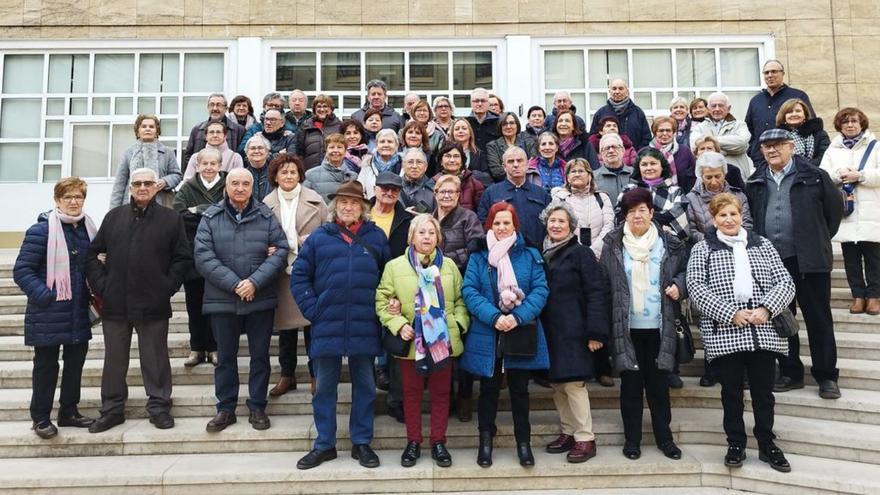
700	467
16	305
846	322
13	324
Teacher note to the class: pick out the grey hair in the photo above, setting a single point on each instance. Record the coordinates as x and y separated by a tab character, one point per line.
557	205
677	99
206	152
377	83
719	95
273	96
258	138
217	95
478	91
560	94
410	151
611	136
709	160
438	99
513	150
331	208
388	132
142	171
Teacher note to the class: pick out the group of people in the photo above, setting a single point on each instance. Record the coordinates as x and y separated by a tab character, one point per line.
431	251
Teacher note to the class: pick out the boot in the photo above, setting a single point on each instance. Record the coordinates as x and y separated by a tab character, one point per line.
873	306
484	451
284	384
858	306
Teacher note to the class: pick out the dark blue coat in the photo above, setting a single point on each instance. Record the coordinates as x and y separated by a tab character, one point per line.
529	201
334	284
633	123
228	251
47	321
762	111
479	296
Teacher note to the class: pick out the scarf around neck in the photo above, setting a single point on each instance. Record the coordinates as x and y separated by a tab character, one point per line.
567	145
58	254
619	107
742	268
551	248
850	142
639	249
509	293
383	166
288	201
146	155
432	342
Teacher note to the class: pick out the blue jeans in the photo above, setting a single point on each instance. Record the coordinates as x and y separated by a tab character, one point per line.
363	397
227	329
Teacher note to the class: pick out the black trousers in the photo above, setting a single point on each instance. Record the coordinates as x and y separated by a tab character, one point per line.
647	381
862	263
287	355
487	404
201	339
761	369
602	362
44	378
813	296
394	399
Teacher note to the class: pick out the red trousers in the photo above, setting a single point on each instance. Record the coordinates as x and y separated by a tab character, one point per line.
413	386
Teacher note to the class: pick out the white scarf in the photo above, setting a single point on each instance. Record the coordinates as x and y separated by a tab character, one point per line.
639	249
742	275
209	185
288	202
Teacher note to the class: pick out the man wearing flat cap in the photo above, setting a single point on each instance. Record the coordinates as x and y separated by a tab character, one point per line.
797	207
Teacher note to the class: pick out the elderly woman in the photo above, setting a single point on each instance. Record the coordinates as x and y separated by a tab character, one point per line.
653	173
535	125
645	266
355	144
147	152
576	322
436	136
327	177
853	161
511	135
385	158
257	154
462	133
678	110
433	318
215	135
333	281
418	189
451	161
300	211
573	143
310	137
738	280
194	197
505	289
680	158
610	125
242	111
547	168
805	129
460	226
50	270
708	143
711	170
592	208
443	112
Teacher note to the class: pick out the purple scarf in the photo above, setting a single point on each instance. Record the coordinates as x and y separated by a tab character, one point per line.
567	145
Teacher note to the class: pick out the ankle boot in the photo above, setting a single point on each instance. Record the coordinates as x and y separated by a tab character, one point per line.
484	452
858	306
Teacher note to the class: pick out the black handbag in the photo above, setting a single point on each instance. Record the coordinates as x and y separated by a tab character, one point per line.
394	344
684	348
785	324
522	341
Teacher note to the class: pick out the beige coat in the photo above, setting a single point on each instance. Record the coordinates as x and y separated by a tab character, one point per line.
311	212
733	136
864	223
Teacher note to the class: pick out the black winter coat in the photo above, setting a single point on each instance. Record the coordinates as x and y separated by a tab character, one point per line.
821	141
197	140
310	140
576	311
194	194
484	132
633	123
148	257
583	150
398	241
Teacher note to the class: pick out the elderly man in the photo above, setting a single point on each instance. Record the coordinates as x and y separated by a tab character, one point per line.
561	103
136	262
216	111
257	163
528	199
613	174
240	249
796	206
418	188
732	135
409	102
272	101
334	283
764	106
280	139
298	112
632	119
483	122
377	96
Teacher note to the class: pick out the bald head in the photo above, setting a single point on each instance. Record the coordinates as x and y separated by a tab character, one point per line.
618	90
239	187
561	101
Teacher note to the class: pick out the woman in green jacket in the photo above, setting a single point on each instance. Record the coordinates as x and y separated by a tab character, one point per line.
419	299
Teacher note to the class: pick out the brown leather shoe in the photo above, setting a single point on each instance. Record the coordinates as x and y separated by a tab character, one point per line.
873	306
284	384
605	381
563	443
581	452
858	306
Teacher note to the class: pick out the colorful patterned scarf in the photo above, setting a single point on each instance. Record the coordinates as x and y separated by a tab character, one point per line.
432	343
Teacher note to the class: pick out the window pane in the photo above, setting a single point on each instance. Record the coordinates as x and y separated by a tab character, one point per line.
396	102
663	99
203	72
341	71
194	111
21	118
169	127
462	104
696	67
739	67
124	106
387	66
652	68
597	101
295	71
55	106
147	105
643	100
159	72
51	173
90	144
101	106
563	69
54	128
739	102
52	151
68	73
606	65
350	104
428	70
114	73
687	95
122	139
23	74
19	162
169	104
79	106
471	70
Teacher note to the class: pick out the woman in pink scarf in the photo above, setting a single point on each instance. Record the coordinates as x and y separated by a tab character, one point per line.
50	270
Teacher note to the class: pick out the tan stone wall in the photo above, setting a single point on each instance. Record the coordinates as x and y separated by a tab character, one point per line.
831	48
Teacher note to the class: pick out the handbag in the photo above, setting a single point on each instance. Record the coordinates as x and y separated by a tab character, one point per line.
96	309
394	344
684	349
785	324
522	341
848	190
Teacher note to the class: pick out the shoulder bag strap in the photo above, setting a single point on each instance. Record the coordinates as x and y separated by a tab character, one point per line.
867	154
356	238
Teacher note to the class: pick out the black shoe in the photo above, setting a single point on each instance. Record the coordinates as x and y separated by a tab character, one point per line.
784	384
221	421
106	422
411	454
632	451
315	457
441	455
670	450
674	381
383	381
524	452
707	381
484	451
45	429
259	420
542	382
163	421
396	412
75	421
828	389
775	458
735	456
365	455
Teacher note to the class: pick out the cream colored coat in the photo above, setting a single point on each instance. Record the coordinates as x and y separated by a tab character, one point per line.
311	212
864	223
733	136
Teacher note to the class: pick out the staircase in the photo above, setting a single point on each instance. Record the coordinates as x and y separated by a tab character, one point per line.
833	446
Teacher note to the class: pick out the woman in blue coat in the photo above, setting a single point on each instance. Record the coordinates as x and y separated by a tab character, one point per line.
505	290
50	270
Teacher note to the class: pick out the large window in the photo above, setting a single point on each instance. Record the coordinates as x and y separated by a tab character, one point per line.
655	74
72	112
343	73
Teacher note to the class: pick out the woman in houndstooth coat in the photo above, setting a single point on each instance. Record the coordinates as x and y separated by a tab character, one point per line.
738	281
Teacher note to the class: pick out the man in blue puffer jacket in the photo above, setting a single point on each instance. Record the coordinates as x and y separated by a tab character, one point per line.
240	248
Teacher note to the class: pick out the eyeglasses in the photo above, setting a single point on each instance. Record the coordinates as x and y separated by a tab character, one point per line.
73	199
415	161
479	100
447	192
772	71
851	121
438	107
271	119
778	146
611	147
142	183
